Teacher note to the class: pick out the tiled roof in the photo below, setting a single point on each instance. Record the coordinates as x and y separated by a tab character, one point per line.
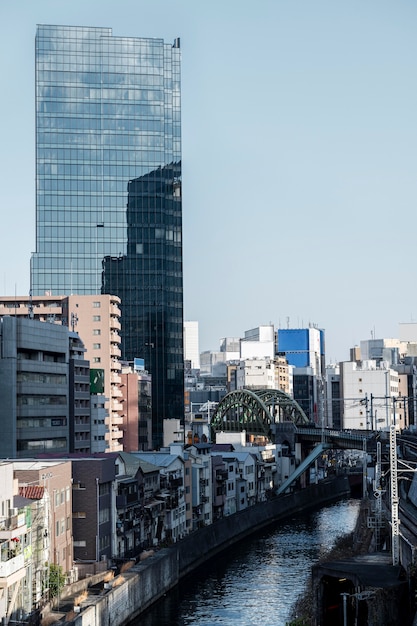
32	492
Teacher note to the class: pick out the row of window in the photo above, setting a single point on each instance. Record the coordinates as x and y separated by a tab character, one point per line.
41	445
87	167
106	91
126	139
39	400
35	377
41	422
101	108
94	185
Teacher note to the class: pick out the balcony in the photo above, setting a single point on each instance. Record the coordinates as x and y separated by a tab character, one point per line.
114	310
221	476
12	526
175	483
12	570
115	323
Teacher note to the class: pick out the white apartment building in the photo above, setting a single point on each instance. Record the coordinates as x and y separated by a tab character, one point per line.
369	396
213	363
201	484
256	373
264	373
258	342
191	344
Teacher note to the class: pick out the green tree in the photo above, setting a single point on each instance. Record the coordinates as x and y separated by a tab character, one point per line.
56	580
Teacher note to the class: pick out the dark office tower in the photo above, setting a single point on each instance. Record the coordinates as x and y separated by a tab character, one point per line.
108	202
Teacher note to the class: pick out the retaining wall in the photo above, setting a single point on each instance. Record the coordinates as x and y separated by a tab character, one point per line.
145	583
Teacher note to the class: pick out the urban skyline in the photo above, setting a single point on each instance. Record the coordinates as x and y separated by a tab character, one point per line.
313	107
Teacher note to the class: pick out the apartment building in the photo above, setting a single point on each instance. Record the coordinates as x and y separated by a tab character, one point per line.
96	319
34	387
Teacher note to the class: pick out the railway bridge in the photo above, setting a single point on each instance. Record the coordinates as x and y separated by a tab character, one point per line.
274	416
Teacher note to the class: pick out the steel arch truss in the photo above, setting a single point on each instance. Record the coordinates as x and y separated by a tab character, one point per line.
255	411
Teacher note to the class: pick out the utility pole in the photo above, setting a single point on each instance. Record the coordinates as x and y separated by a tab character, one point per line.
395	523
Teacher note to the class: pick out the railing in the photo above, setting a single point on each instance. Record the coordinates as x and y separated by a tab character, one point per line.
7	568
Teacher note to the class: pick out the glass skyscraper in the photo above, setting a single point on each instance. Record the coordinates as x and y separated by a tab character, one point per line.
108	189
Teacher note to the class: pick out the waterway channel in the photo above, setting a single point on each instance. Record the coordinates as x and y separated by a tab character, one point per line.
258	581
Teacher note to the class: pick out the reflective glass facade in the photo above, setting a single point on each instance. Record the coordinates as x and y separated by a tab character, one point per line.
108	189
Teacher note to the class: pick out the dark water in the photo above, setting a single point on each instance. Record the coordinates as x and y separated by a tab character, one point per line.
258	581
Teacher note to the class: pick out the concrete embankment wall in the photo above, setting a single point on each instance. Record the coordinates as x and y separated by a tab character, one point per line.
135	590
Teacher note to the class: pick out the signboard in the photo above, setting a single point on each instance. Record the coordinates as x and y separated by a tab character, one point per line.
96	381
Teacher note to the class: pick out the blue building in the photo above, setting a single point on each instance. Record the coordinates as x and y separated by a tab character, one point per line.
304	349
108	190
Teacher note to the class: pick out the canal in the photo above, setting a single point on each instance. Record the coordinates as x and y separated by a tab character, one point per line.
258	581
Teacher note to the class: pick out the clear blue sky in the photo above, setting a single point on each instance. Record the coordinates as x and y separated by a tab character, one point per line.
299	157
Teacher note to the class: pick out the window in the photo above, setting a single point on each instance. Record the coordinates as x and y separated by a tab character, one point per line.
104	489
96	331
79	515
104	515
96	318
96	346
96	305
104	542
97	359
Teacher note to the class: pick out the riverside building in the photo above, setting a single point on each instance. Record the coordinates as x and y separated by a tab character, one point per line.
108	195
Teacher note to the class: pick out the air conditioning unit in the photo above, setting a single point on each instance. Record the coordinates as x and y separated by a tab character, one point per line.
14	512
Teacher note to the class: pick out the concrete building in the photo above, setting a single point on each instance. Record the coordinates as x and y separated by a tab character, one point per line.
173	432
136	411
79	397
264	373
201	484
97	321
369	396
214	363
389	350
96	318
55	477
34	387
191	344
333	400
15	572
258	343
